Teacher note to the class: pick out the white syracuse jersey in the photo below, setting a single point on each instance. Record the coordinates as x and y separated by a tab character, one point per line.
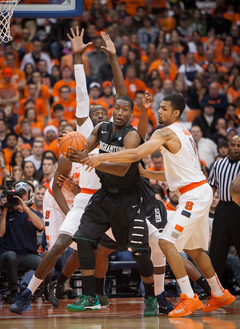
182	168
53	215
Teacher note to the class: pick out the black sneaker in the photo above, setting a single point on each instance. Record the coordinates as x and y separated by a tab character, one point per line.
23	303
54	293
164	305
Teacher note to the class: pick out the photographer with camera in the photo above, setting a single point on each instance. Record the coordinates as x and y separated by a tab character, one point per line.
18	227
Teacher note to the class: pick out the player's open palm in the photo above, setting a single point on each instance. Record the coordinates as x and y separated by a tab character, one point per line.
109	45
78	46
147	100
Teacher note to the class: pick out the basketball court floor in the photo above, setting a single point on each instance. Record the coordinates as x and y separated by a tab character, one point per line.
124	313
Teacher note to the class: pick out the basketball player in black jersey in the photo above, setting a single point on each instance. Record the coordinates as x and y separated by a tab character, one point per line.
117	204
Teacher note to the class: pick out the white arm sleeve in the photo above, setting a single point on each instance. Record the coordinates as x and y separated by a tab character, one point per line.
82	110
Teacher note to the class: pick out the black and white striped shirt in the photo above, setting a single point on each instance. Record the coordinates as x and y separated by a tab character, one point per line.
223	172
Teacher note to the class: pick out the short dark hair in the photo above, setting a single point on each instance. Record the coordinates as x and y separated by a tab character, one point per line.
11	134
157	189
156	154
58	107
125	98
25	120
177	102
49	158
65	86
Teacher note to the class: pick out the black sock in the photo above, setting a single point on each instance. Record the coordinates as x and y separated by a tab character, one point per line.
202	282
149	290
61	279
88	284
99	282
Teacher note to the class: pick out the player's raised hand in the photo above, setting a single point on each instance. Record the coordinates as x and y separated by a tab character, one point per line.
109	45
147	100
66	182
78	46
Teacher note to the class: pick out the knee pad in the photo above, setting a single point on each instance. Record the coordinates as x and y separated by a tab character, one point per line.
145	265
86	254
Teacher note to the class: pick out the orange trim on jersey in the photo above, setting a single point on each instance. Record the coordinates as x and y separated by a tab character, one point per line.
191	186
179	228
50	191
88	190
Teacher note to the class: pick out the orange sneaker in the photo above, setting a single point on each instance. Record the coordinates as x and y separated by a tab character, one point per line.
186	306
215	302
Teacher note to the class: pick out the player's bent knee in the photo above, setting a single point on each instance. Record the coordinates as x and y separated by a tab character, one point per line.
145	266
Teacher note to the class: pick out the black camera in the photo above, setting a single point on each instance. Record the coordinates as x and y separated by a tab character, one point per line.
12	191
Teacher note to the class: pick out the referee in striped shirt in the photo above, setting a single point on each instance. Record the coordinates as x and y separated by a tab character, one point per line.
226	224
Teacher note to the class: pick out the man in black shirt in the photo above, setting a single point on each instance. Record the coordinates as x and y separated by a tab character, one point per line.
117	205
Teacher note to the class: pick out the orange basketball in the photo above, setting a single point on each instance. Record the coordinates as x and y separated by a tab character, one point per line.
73	139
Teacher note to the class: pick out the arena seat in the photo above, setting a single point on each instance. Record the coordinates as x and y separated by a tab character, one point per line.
192	114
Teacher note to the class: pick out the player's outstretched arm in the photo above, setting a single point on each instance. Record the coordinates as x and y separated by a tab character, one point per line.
147	102
117	72
64	167
132	155
82	98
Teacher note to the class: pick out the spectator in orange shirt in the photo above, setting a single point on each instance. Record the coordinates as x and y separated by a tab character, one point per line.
39	103
235	50
50	133
8	49
18	77
42	90
211	42
36	121
173	197
132	83
132	5
107	99
58	111
157	65
166	72
25	150
157	160
9	94
200	56
65	81
48	168
225	58
137	111
68	104
11	142
234	91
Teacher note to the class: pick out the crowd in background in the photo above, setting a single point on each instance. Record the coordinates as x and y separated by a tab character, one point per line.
188	47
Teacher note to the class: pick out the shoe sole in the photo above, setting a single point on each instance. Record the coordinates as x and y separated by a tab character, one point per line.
151	314
228	302
186	313
19	311
53	301
72	308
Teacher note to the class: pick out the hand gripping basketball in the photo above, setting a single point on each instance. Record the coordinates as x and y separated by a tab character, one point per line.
73	139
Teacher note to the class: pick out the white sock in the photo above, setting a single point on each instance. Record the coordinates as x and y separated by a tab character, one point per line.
34	284
214	283
185	286
159	263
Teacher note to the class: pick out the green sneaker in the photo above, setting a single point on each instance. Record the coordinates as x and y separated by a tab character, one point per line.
104	301
84	303
151	307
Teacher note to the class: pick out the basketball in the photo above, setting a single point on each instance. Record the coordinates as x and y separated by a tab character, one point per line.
73	139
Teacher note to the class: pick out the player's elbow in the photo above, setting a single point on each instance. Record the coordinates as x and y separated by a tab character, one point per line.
40	226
